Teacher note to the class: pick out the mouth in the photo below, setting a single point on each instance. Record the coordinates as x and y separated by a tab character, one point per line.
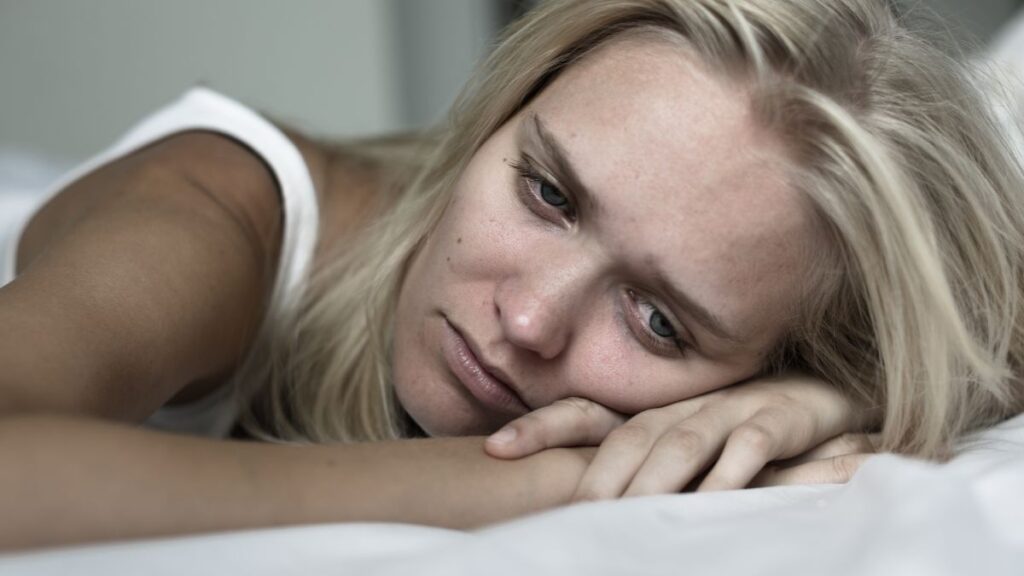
490	386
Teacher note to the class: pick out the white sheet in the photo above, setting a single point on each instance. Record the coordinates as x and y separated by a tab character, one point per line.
896	516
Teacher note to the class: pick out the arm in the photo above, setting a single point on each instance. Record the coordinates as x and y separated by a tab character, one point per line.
143	277
71	480
138	279
789	429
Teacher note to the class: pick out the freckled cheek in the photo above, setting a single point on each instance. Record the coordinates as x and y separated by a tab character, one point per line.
619	374
483	235
609	370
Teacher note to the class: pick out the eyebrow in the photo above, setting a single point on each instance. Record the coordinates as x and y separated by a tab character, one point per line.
710	321
562	167
567	175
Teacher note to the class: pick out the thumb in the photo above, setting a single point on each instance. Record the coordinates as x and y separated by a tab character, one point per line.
567	422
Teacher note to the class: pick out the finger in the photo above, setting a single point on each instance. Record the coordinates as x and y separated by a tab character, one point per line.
752	445
682	453
839	446
838	470
619	457
624	450
567	422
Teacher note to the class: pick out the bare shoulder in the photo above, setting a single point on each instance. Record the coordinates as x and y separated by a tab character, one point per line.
233	179
144	280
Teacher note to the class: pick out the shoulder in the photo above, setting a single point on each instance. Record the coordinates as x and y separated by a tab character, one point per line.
355	182
238	180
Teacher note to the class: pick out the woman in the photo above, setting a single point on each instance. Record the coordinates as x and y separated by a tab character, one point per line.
636	205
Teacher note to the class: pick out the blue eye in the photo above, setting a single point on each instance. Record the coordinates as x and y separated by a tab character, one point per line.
551	195
539	193
653	327
661	326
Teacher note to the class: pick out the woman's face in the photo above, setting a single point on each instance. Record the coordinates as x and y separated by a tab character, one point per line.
629	237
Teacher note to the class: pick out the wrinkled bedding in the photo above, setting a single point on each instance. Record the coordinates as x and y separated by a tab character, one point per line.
897	516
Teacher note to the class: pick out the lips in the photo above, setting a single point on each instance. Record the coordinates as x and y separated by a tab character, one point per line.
488	384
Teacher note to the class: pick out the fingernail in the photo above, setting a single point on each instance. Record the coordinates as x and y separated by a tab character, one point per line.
503	436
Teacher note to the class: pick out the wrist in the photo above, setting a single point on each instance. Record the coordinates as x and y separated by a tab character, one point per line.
556	473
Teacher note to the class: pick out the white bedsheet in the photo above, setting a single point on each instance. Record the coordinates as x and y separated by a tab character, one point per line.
897	516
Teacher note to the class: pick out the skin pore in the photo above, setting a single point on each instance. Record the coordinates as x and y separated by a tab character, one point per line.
559	288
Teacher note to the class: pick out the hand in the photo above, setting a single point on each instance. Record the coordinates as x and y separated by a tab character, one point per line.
662	450
833	462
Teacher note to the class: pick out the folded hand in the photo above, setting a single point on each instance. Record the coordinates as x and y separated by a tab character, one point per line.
786	430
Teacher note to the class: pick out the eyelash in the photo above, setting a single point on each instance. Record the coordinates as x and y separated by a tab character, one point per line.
529	178
674	344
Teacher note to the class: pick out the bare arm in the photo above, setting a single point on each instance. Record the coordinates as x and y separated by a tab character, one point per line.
146	276
71	480
140	278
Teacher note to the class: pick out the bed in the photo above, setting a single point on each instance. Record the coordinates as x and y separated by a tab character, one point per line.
896	516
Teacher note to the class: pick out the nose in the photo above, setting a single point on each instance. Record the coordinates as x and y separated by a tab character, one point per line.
538	310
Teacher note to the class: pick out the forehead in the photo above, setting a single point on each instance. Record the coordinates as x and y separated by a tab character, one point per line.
688	178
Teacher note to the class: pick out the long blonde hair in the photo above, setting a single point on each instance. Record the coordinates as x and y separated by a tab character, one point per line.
915	303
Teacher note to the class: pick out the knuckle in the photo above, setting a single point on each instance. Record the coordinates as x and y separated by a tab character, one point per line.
787	410
582	408
646	419
580	413
844	468
755	437
780	406
541	426
686	439
630	434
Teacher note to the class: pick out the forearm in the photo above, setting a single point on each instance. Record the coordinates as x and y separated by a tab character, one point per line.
67	480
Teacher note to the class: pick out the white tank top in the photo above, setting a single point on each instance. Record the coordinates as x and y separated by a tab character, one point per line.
203	109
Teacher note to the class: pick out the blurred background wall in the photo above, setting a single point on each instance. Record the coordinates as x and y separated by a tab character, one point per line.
74	74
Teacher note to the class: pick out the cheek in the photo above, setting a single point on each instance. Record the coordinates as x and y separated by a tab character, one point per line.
485	233
608	367
605	366
455	256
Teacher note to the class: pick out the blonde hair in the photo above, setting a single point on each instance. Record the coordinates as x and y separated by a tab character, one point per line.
915	304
